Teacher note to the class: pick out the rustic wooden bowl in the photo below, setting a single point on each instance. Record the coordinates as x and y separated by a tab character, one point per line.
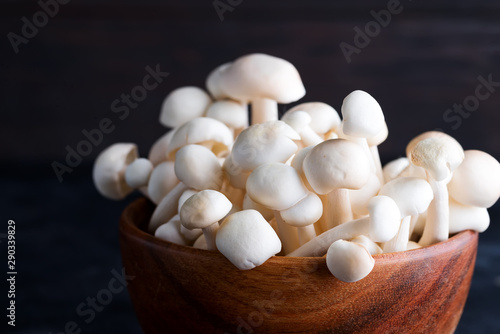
179	289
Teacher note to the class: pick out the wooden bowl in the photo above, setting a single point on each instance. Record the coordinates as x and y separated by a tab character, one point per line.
180	289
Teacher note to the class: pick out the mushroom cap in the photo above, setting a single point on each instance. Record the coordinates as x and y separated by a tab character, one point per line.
182	105
298	120
476	181
231	113
385	218
362	115
184	197
247	240
214	81
276	186
263	143
138	172
306	212
439	156
158	151
466	217
412	195
334	164
323	117
369	244
349	261
204	208
171	232
198	168
380	137
161	181
395	168
422	136
201	130
234	173
258	76
109	170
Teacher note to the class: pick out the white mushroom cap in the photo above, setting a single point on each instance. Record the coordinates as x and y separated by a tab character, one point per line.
214	81
231	113
264	143
323	117
465	217
234	173
204	209
349	261
439	156
362	115
379	138
109	170
262	76
247	240
385	218
298	119
336	163
476	181
198	168
368	243
202	130
161	181
428	134
184	197
138	172
276	186
170	232
395	168
306	212
412	195
248	204
158	151
184	104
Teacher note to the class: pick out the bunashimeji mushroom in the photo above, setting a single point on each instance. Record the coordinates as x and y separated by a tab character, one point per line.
196	167
137	174
362	119
278	187
368	243
413	170
299	121
332	168
413	196
109	170
381	225
349	261
359	198
183	105
214	82
158	152
373	143
204	210
231	113
170	231
189	235
324	119
467	217
247	240
395	168
162	181
205	131
263	81
439	156
303	215
256	145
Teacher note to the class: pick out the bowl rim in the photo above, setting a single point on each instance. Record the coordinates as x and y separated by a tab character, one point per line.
142	208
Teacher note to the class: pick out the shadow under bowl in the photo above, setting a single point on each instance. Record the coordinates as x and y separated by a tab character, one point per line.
180	289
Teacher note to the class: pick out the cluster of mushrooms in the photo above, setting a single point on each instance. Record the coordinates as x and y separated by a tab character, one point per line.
309	184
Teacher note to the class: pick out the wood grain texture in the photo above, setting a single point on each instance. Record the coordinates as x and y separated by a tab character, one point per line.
180	289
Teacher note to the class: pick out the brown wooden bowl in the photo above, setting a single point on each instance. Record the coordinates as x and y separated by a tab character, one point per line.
180	289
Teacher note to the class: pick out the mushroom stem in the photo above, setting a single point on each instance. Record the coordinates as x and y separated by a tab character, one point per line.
288	234
319	245
400	242
338	210
167	208
264	110
210	233
437	225
378	164
306	233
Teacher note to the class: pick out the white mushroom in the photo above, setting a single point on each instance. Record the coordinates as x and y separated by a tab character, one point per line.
415	171
214	82
373	143
263	81
170	231
413	196
247	240
231	113
183	105
324	119
466	217
303	215
204	210
360	198
158	152
200	243
395	168
138	172
162	181
381	225
109	170
299	120
439	156
205	131
368	243
278	187
349	261
331	168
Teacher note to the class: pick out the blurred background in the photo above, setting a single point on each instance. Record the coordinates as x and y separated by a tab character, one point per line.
431	65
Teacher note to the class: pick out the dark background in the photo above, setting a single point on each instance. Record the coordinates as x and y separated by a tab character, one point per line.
66	77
